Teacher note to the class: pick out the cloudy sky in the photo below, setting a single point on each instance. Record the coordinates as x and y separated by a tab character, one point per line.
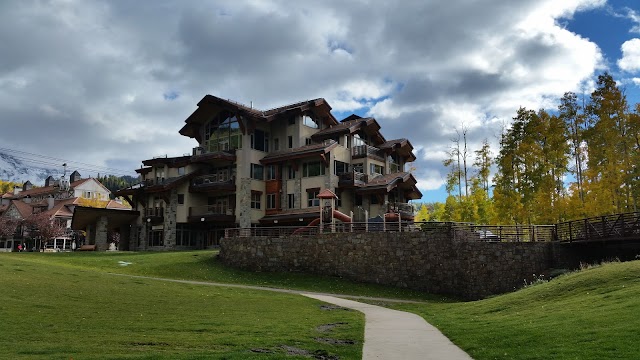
111	83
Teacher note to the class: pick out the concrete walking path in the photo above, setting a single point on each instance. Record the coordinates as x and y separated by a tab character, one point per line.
393	334
388	334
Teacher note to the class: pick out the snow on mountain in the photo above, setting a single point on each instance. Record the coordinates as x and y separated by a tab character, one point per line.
17	170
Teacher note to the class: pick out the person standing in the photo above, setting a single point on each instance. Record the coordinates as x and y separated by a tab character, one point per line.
19	247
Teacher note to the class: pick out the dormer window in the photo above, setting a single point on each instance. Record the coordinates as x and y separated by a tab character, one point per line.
310	122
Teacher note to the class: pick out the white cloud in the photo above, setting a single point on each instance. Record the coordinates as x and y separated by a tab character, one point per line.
422	69
630	60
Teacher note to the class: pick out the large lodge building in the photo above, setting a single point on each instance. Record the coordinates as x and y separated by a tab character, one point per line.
266	168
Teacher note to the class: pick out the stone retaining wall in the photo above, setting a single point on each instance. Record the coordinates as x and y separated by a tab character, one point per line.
427	261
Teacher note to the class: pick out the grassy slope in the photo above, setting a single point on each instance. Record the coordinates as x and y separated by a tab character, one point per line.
592	314
204	266
62	312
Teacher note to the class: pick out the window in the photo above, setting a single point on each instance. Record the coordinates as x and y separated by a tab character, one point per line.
376	169
222	133
271	201
291	173
291	120
312	169
86	194
271	172
181	171
257	172
260	140
312	197
358	200
290	140
156	238
184	236
374	199
307	141
309	121
276	144
180	199
358	168
339	199
255	199
358	141
340	167
291	201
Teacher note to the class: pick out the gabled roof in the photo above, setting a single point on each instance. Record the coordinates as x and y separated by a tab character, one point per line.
402	146
299	152
355	123
25	210
112	204
172	162
44	190
211	105
388	182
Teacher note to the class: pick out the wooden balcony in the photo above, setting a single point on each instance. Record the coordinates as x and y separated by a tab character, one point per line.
362	151
218	213
352	179
154	215
212	183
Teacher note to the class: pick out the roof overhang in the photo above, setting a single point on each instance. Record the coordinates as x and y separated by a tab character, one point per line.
85	216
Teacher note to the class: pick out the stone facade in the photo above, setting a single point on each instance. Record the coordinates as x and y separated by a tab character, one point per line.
101	241
244	203
170	220
426	261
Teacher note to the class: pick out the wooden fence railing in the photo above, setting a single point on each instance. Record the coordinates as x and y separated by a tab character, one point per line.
600	228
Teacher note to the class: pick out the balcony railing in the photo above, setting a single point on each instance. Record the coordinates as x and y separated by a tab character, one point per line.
405	210
367	151
206	210
352	178
154	212
220	179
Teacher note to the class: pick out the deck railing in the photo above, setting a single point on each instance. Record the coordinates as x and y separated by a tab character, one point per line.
366	151
457	231
217	209
600	228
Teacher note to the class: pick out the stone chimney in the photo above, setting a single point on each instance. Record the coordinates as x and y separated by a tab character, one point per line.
27	199
49	181
17	190
75	176
27	186
50	202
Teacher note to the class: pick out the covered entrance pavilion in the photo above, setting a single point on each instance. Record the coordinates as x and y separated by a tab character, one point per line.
98	223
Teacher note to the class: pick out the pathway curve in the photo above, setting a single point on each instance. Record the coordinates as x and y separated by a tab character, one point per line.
388	334
393	334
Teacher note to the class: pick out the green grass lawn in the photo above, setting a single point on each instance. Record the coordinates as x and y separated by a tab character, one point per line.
52	308
64	304
591	314
205	266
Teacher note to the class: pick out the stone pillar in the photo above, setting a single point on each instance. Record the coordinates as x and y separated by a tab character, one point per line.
101	234
244	203
298	193
144	232
170	211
